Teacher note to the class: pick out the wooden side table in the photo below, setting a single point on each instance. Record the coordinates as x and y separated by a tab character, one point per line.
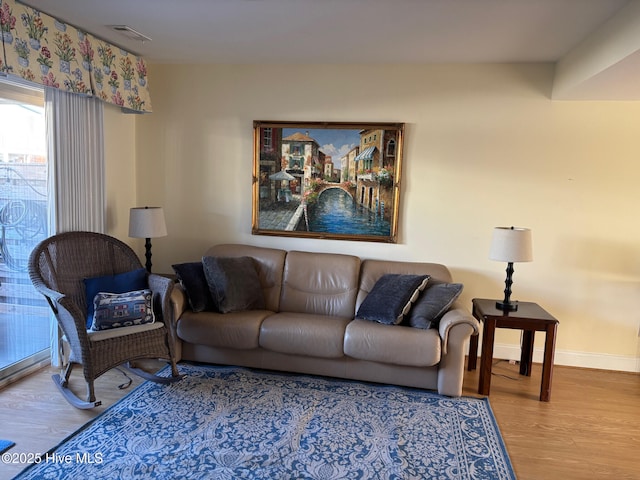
530	318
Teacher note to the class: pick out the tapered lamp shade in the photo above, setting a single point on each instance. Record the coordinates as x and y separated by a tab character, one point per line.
147	223
511	245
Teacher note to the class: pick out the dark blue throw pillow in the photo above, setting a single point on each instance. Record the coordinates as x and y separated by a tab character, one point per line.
391	298
192	278
119	283
432	304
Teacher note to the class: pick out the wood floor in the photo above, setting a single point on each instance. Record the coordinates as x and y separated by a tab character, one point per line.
589	430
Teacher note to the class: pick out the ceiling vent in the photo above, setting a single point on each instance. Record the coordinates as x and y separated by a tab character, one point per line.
129	32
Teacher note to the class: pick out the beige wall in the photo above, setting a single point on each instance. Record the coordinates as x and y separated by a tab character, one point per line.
120	171
484	147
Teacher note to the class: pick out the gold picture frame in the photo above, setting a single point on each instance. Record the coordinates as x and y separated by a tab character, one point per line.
328	180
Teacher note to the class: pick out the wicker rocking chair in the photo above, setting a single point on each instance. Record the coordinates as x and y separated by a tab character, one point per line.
57	267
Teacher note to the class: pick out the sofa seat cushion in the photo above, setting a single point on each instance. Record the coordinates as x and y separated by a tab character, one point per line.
239	330
394	344
304	334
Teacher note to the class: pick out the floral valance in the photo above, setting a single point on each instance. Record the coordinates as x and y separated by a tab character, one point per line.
41	49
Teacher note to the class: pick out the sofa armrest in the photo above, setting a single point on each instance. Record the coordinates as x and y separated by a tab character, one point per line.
178	304
179	301
456	326
161	288
456	315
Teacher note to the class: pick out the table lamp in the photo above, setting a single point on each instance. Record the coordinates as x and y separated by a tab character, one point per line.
510	244
147	223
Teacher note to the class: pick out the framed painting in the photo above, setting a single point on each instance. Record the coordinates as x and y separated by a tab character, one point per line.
327	179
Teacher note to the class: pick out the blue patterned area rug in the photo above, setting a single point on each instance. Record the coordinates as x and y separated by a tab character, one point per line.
5	445
236	423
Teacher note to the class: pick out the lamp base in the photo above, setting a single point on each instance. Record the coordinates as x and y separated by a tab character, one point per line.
147	253
507	306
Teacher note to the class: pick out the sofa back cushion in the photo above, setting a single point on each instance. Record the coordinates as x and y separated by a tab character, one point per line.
320	283
269	263
372	270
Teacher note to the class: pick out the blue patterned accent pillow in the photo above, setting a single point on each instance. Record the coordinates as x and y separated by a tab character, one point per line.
119	283
432	304
391	298
113	310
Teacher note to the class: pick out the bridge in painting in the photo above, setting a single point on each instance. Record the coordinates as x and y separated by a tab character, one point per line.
327	186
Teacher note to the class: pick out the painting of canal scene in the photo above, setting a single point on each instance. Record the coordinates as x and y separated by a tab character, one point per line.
327	180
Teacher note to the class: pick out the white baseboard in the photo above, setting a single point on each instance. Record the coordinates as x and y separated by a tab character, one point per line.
602	361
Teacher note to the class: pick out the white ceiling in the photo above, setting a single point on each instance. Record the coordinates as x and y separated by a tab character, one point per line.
354	31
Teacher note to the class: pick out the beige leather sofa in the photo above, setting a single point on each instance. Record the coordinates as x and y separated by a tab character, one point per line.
308	324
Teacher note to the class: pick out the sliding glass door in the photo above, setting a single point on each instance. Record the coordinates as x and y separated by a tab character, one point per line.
24	315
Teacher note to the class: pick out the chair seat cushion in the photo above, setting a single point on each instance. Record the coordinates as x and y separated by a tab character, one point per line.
120	332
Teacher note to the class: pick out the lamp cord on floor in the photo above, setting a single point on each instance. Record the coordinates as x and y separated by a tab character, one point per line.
127	384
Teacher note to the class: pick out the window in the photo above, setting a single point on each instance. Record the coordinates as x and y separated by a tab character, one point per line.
24	314
391	148
368	164
266	139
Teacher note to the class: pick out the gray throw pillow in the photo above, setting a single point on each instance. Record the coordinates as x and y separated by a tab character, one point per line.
192	278
234	283
391	297
432	304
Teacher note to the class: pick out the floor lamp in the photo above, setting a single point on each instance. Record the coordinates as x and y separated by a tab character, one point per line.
510	244
147	223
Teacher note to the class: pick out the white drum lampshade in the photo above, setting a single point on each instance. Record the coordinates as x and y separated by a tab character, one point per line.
511	245
147	223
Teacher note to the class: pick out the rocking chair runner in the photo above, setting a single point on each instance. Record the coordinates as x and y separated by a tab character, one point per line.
57	268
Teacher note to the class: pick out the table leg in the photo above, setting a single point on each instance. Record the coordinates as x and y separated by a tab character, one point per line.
486	356
547	365
473	352
526	355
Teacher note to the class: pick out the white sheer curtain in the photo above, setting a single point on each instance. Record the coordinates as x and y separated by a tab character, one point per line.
75	141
